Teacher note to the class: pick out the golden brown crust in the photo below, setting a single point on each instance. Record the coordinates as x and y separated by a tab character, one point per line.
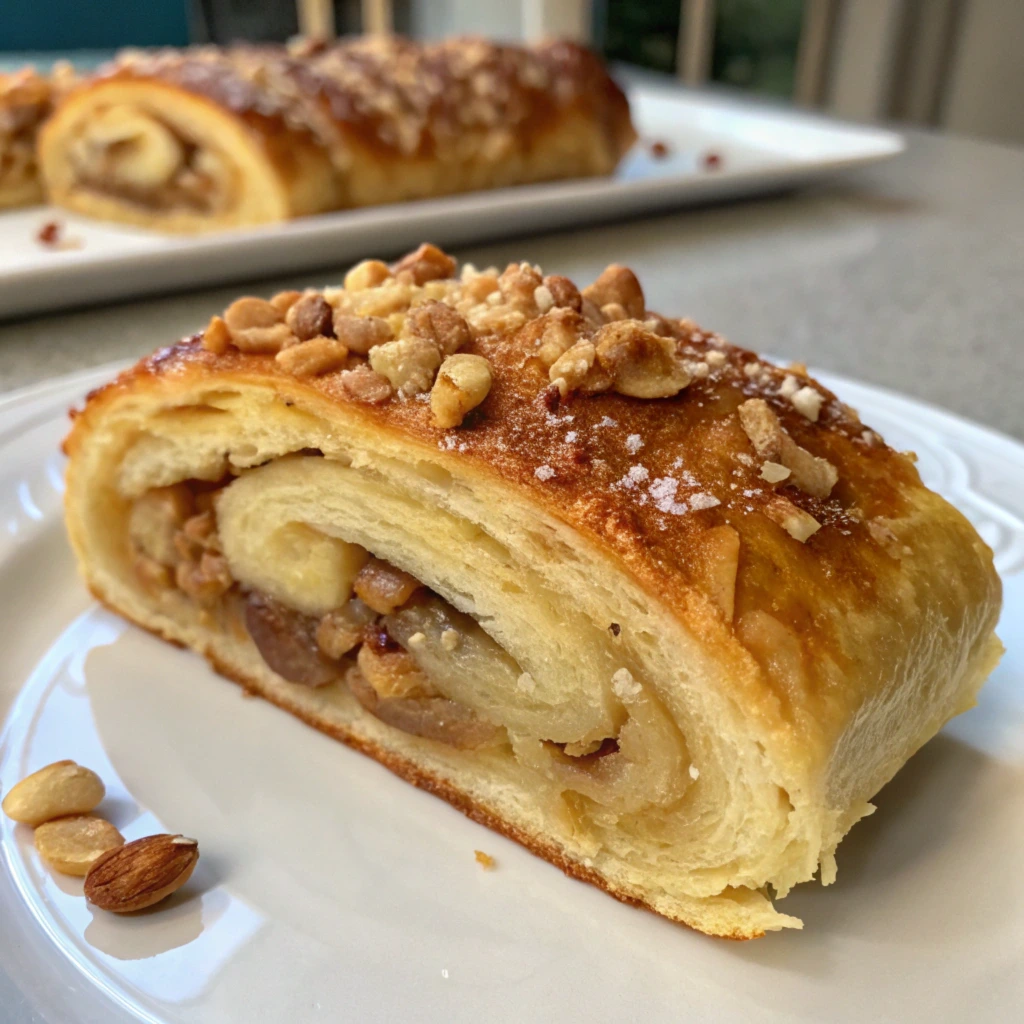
395	95
250	134
652	480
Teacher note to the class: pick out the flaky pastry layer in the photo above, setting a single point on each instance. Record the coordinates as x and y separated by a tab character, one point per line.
702	564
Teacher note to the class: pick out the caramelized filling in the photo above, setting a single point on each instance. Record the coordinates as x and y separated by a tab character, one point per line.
407	656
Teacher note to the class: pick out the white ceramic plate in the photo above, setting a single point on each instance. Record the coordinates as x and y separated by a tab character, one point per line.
330	890
762	148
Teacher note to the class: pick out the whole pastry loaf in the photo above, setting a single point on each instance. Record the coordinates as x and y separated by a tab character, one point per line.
662	612
207	138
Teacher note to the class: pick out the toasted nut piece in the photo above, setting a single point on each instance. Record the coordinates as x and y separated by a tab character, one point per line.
365	385
311	317
774	472
479	285
256	325
640	363
427	263
383	587
518	283
800	525
216	337
361	333
591	312
72	845
58	789
342	628
439	323
564	293
367	274
393	673
313	357
462	384
391	297
283	301
618	284
614	311
410	364
141	873
248	312
155	519
813	475
151	574
554	333
205	581
573	366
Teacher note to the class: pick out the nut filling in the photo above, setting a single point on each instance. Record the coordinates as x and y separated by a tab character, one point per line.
405	654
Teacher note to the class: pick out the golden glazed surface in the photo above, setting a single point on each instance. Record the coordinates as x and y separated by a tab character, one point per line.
249	134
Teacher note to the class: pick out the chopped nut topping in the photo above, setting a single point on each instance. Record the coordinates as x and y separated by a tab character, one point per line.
256	326
807	401
283	301
564	293
462	383
518	283
543	298
438	323
217	337
618	284
366	385
614	311
800	525
640	363
368	274
427	263
313	357
410	364
450	639
555	333
310	317
811	474
570	369
774	472
361	333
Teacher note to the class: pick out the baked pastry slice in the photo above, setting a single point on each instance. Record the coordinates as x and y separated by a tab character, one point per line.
26	98
209	138
664	613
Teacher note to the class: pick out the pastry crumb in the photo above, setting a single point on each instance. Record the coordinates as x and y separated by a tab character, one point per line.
485	860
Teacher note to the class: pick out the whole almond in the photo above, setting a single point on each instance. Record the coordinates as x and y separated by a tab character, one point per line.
141	873
58	789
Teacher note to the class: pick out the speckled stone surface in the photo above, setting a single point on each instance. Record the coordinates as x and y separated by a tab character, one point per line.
909	274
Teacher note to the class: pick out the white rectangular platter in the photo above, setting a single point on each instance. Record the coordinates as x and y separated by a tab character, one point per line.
757	149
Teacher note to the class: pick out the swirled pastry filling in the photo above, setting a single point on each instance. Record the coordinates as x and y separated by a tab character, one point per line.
325	613
135	155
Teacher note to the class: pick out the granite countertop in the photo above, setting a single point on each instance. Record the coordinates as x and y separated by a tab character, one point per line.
908	274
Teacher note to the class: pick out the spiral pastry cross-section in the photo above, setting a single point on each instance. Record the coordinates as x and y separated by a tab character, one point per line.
208	138
664	613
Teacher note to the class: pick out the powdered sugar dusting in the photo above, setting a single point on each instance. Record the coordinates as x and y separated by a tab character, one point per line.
544	472
634	443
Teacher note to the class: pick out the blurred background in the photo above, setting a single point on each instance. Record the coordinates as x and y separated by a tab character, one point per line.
947	64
